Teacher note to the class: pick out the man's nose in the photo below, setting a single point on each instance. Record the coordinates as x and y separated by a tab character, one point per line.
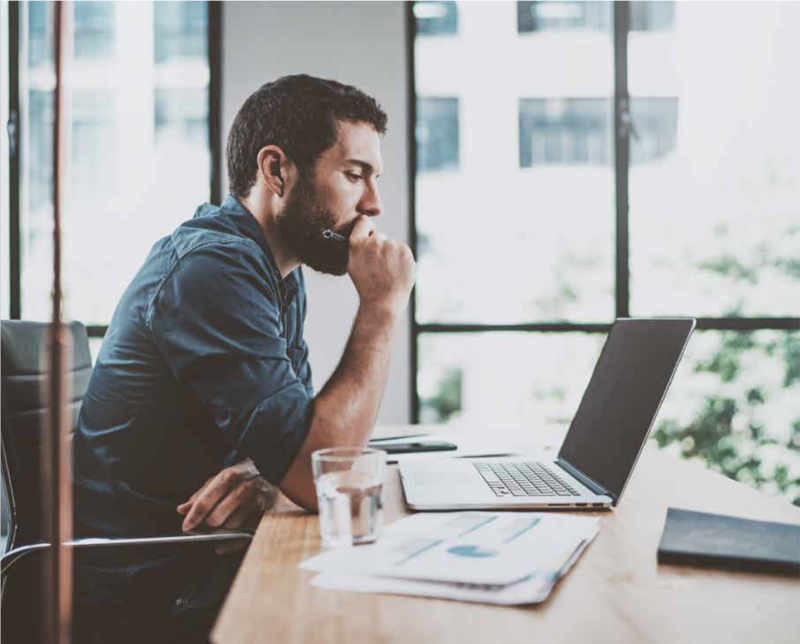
370	203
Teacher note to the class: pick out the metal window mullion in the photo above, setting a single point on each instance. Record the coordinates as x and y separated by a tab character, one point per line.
412	201
215	98
703	324
748	324
621	155
527	327
14	268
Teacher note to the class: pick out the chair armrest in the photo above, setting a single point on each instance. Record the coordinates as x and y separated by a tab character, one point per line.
12	556
189	537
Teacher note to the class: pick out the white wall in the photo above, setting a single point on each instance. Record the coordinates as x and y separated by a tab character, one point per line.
361	44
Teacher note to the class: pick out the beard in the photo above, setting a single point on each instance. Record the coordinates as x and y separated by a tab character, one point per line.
301	224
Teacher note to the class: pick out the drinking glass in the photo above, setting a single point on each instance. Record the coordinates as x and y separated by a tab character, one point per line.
349	484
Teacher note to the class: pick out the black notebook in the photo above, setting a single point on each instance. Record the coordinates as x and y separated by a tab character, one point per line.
719	541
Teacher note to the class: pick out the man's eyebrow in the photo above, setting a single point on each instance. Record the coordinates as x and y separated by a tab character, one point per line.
364	165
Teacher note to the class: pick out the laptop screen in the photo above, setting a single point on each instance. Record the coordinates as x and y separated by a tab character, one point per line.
625	391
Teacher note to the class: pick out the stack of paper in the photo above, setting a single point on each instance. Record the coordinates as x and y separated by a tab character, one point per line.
499	558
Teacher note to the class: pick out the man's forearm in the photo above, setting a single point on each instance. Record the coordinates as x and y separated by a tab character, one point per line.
346	407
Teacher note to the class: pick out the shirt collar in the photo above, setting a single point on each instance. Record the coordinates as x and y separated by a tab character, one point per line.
249	226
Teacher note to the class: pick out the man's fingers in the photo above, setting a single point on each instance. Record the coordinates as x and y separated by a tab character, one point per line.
208	498
240	518
362	230
236	498
184	507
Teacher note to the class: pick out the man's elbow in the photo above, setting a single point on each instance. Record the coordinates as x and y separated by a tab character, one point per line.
305	501
298	484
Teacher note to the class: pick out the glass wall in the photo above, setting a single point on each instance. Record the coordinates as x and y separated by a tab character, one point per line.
715	217
516	210
138	159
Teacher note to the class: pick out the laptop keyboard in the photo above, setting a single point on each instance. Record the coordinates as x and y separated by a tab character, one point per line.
523	479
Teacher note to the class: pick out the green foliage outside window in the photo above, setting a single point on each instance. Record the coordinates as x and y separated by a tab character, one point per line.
727	433
447	399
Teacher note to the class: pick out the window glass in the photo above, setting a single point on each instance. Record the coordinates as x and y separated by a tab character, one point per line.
436	18
37	106
182	113
656	128
556	16
92	151
733	405
651	16
503	236
180	30
566	15
7	145
94	29
521	228
564	131
504	378
137	143
40	33
715	209
437	134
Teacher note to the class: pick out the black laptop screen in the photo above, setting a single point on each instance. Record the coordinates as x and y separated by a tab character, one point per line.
623	396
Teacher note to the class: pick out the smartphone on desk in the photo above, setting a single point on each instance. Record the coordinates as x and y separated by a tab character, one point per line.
410	447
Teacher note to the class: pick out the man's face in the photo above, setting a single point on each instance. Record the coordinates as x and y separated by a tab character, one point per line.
341	187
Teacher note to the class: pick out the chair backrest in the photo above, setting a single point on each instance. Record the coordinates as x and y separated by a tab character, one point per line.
24	378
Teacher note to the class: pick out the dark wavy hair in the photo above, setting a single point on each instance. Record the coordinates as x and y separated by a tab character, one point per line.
299	114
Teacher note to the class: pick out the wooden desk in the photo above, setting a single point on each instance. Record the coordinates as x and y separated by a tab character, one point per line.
615	593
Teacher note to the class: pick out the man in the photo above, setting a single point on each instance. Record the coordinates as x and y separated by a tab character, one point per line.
203	375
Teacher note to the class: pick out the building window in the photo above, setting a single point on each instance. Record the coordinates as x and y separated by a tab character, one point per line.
437	134
565	16
541	235
180	30
94	29
576	131
139	159
436	18
652	16
562	16
656	122
566	131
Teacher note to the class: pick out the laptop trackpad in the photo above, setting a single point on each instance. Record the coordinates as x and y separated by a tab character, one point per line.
447	483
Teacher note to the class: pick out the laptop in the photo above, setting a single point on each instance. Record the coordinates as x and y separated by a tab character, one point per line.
599	452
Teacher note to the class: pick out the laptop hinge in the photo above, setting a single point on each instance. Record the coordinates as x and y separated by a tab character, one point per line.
592	485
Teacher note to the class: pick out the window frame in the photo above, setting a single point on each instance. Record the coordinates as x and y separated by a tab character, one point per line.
214	37
621	25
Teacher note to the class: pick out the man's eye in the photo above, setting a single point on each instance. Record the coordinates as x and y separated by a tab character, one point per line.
353	176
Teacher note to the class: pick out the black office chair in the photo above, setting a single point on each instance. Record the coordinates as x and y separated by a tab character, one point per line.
23	378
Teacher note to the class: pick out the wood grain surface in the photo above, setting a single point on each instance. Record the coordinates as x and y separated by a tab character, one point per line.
617	592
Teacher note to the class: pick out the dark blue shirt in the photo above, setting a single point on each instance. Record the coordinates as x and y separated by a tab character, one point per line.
203	364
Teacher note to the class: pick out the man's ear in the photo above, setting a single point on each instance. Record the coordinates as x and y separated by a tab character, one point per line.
273	166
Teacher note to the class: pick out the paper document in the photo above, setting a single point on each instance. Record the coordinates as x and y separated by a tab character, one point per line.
504	558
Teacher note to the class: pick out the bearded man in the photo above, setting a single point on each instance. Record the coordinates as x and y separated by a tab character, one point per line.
201	399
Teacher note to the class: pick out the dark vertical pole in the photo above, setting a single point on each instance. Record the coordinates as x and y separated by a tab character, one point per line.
215	98
621	153
56	458
411	34
14	129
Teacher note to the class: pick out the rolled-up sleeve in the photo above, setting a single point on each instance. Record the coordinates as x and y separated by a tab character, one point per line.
217	320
